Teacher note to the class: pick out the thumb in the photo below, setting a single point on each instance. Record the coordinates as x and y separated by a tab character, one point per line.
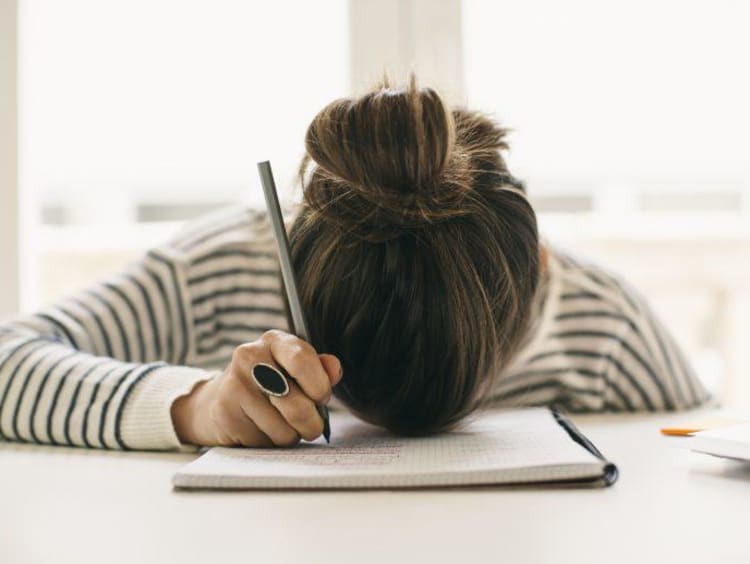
333	367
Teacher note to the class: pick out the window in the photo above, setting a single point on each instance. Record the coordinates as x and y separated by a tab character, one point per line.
136	114
637	105
630	123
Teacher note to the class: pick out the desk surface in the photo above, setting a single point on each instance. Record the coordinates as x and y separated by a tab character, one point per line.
71	505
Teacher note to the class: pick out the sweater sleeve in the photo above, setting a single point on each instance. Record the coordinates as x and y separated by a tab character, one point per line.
648	369
598	346
102	367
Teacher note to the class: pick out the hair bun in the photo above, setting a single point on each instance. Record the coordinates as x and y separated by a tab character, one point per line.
395	139
382	158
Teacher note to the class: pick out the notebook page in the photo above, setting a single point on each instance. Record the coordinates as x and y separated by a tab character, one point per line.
515	445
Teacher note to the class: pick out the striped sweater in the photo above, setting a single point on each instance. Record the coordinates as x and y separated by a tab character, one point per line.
103	367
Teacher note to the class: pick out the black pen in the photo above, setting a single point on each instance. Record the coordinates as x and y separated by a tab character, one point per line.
299	325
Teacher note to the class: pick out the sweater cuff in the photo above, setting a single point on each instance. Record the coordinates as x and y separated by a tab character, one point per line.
147	419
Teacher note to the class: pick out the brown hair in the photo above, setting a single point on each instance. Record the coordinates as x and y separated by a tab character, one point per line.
417	254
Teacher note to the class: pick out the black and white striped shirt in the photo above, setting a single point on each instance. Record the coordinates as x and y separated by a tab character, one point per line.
102	368
598	346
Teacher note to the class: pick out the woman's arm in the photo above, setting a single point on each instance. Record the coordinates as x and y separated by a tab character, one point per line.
109	367
600	347
648	369
640	366
101	368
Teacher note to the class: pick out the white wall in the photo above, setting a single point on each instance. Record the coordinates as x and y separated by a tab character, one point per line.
169	101
9	199
399	36
647	90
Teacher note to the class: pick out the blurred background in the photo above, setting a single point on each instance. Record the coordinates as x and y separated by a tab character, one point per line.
120	120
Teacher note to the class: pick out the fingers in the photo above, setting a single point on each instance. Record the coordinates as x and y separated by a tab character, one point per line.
284	420
299	412
231	425
240	431
332	367
248	408
269	420
300	360
259	420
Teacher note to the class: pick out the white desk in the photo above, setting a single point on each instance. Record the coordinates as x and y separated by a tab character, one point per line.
60	505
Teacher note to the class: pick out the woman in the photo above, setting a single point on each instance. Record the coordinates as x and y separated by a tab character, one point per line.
427	290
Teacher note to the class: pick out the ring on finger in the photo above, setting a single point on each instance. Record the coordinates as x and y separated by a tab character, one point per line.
270	380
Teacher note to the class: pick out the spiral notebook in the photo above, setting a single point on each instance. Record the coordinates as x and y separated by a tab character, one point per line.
498	447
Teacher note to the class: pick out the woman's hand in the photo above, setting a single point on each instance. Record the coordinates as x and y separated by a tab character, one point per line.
230	410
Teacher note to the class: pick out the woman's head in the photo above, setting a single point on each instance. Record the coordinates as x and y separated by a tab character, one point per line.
417	254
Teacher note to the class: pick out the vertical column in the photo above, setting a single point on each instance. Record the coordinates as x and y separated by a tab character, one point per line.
399	36
9	193
735	390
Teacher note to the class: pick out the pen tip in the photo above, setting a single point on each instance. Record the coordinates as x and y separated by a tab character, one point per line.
323	410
